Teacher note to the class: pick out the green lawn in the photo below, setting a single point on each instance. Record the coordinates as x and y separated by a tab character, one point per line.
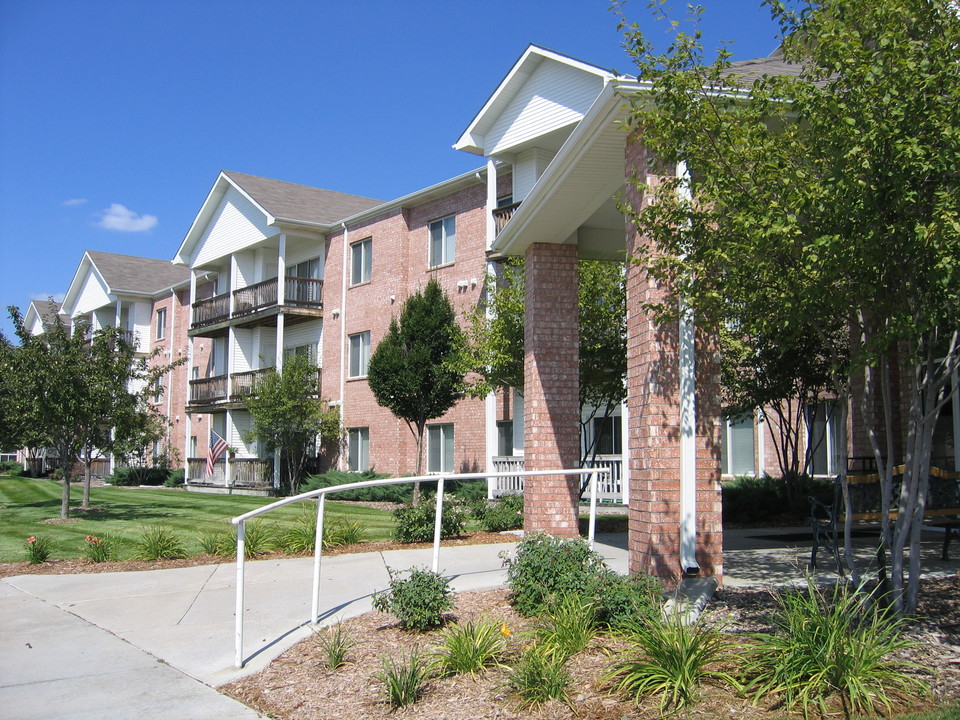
124	512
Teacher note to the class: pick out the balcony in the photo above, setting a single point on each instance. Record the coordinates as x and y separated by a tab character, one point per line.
612	488
244	384
502	215
252	476
206	392
258	304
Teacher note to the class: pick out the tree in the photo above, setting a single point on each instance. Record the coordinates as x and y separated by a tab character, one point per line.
496	329
416	370
823	198
289	417
71	392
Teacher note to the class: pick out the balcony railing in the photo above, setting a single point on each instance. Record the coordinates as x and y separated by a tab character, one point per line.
502	215
211	310
211	389
306	292
254	297
243	384
197	472
612	488
252	472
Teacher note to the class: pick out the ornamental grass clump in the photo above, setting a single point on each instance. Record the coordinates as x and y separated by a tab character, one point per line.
538	677
838	646
99	549
158	543
470	646
403	678
417	601
671	659
335	643
39	548
567	628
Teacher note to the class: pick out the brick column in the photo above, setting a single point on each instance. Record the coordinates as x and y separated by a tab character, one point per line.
551	388
653	390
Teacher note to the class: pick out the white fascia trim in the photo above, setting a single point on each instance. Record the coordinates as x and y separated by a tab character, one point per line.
70	297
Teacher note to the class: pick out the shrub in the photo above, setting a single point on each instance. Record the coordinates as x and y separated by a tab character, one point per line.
671	659
175	478
99	549
831	646
546	568
418	601
415	522
538	678
334	643
468	491
133	476
620	600
385	493
403	678
470	647
158	543
504	513
10	467
301	537
748	500
39	548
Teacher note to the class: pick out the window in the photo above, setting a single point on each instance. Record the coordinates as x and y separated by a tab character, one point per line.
505	438
608	432
157	389
359	354
358	449
309	269
737	448
193	446
161	323
308	351
825	440
361	265
440	448
443	235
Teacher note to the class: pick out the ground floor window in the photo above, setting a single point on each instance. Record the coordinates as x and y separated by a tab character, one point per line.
358	449
505	438
738	443
607	432
826	439
440	448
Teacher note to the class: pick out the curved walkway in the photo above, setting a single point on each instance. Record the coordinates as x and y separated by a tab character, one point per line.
155	644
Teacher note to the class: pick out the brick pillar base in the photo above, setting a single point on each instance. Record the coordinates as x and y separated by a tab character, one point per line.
551	388
653	390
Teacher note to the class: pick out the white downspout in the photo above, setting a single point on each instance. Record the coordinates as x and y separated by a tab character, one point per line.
343	336
688	424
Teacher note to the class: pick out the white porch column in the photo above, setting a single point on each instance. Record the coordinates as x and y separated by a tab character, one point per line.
228	436
282	270
625	453
491	201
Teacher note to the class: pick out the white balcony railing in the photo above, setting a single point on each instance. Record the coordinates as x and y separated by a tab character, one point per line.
612	487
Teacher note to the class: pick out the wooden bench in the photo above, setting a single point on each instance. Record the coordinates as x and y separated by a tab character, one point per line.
942	509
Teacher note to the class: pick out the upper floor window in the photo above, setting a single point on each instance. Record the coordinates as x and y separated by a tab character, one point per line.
361	261
443	236
161	323
307	351
309	269
359	354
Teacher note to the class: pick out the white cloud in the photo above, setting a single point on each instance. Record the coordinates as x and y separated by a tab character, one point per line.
117	217
74	202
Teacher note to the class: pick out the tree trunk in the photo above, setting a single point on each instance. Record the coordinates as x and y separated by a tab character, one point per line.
85	503
65	496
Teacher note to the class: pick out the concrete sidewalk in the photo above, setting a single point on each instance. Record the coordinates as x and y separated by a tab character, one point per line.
155	644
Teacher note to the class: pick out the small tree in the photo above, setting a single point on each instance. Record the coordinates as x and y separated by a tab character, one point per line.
415	372
289	417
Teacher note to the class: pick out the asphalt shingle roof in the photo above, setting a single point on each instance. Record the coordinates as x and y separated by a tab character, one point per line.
290	201
137	274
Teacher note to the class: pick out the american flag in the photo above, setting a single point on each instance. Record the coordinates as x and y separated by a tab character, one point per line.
218	446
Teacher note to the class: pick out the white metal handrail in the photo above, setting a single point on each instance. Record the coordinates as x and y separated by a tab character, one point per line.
321	494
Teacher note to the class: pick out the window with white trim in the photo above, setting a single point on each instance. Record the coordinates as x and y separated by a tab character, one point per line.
361	261
443	240
359	354
161	323
737	450
358	449
440	448
826	438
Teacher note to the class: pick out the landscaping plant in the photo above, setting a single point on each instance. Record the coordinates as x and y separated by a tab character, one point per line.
334	643
38	548
415	523
839	645
538	677
403	678
567	628
470	647
504	513
417	601
99	549
158	543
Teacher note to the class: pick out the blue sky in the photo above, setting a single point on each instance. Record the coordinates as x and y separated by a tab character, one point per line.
117	116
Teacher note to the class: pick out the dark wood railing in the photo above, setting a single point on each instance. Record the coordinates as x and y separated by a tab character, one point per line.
253	297
252	472
197	471
245	383
303	291
502	215
211	310
209	389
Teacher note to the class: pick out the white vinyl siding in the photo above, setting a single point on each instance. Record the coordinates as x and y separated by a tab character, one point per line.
440	448
92	295
554	96
236	224
443	241
359	354
358	449
308	333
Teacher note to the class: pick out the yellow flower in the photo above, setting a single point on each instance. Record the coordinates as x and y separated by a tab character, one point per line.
504	630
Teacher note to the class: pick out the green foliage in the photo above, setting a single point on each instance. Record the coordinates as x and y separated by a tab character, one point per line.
537	678
468	491
100	549
335	643
289	415
620	601
403	678
217	543
504	513
259	538
415	523
382	493
470	647
748	500
546	568
672	659
134	476
10	467
837	646
337	532
156	542
39	548
417	601
567	628
416	372
175	478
